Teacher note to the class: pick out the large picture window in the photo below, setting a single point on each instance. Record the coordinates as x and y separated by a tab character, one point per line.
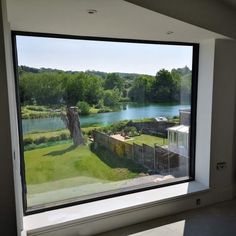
102	117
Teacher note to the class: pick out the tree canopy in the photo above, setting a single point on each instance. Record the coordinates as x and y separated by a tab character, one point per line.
98	89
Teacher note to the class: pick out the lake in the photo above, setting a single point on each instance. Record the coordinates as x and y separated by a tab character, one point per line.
127	112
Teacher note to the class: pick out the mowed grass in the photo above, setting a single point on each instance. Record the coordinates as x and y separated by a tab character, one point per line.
148	140
63	161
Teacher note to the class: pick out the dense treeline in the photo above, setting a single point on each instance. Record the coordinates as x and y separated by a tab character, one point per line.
100	89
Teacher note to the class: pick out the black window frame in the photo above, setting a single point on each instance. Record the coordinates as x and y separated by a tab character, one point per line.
192	133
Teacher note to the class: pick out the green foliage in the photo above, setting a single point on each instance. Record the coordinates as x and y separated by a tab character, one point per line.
44	137
93	90
83	107
28	141
100	104
44	145
131	131
167	87
36	108
82	87
164	87
141	90
43	87
118	126
111	97
114	81
36	112
74	88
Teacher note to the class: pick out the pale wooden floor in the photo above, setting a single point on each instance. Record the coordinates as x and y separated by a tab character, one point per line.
215	220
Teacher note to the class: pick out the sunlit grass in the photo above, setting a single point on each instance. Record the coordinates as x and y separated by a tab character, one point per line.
148	140
63	161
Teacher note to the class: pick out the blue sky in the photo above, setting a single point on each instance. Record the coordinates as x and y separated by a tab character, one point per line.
82	55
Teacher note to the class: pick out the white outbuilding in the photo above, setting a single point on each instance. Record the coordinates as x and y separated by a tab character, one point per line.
178	140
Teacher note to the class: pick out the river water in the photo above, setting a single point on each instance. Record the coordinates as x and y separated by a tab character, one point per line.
127	112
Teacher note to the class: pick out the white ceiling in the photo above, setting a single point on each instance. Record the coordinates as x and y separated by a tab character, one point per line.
115	18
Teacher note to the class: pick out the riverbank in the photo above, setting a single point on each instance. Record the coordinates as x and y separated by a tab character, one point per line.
129	112
40	112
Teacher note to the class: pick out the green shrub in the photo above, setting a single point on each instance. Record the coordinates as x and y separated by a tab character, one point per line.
28	141
175	117
54	138
100	104
111	97
64	136
118	126
36	108
83	107
131	131
40	140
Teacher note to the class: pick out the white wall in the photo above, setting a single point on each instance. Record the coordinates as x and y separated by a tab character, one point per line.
223	114
204	108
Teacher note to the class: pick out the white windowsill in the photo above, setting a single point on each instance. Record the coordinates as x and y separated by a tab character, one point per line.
108	207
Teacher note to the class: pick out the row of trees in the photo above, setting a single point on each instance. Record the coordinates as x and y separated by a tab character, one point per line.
49	87
164	87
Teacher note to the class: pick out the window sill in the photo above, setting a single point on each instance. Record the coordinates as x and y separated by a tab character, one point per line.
92	211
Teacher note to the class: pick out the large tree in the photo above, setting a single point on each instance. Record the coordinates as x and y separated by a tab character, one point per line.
166	87
114	81
41	88
141	90
72	122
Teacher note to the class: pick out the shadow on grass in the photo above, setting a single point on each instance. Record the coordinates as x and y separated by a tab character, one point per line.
114	161
61	152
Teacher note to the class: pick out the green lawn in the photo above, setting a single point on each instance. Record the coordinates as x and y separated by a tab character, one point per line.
148	139
63	161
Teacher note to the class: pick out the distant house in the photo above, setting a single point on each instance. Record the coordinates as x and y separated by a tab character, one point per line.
178	136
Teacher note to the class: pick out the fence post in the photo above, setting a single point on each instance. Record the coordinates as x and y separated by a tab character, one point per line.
154	155
143	154
168	162
133	154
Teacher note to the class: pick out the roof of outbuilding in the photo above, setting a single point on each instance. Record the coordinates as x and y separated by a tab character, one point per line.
180	129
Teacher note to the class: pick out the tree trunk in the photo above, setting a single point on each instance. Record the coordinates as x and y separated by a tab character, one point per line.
71	120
